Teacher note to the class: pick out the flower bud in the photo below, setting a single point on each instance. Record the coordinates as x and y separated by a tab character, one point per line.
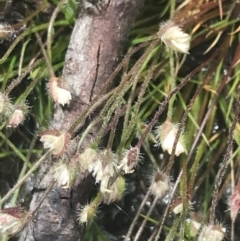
173	37
13	220
234	202
212	233
130	160
18	116
59	94
87	213
55	140
6	108
166	134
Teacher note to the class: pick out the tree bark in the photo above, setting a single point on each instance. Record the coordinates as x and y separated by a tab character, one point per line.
95	48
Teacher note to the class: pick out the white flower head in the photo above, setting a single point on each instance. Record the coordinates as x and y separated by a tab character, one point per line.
173	37
60	95
62	174
108	160
6	107
194	222
166	134
160	184
212	233
6	31
13	220
88	159
130	160
17	116
55	140
104	168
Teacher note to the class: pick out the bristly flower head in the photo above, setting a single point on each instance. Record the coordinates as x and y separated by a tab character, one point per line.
13	220
17	116
212	233
88	159
105	169
6	31
65	173
55	140
59	94
6	108
130	160
101	164
87	213
160	184
173	37
61	174
166	134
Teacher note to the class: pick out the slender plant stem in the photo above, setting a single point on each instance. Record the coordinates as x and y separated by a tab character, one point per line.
50	26
134	222
24	169
20	182
156	234
173	86
224	163
140	230
165	102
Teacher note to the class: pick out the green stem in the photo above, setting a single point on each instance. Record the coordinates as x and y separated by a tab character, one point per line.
172	82
172	8
24	169
50	26
15	149
20	182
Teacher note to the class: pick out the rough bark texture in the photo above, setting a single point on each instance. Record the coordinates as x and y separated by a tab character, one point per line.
95	49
